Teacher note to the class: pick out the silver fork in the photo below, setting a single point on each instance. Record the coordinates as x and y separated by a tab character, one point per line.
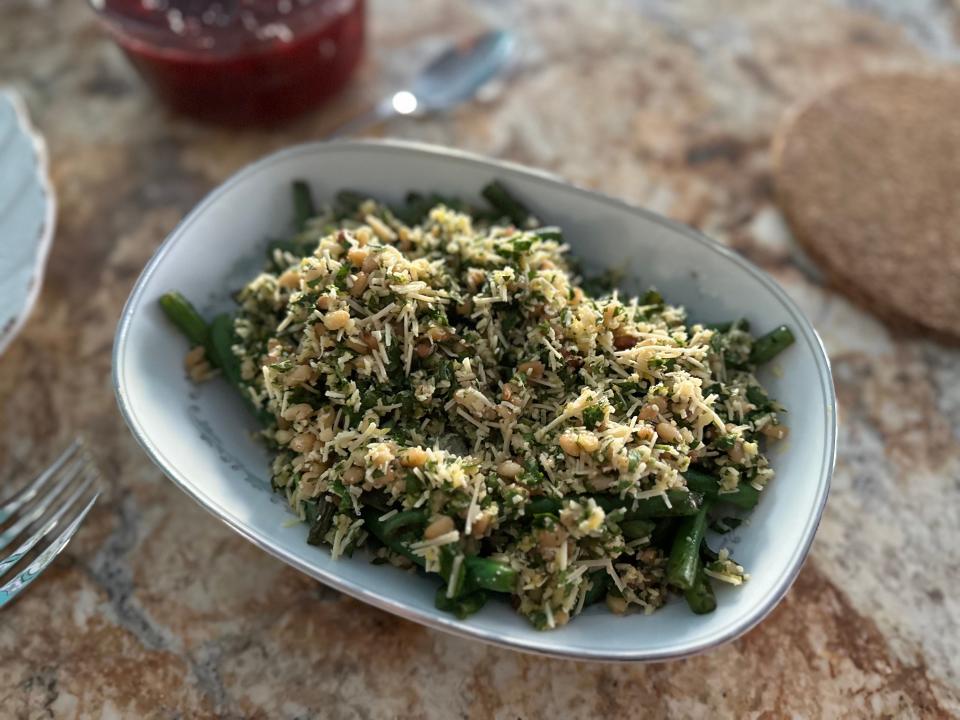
50	508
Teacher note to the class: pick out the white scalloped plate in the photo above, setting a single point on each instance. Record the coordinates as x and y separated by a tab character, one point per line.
201	436
27	212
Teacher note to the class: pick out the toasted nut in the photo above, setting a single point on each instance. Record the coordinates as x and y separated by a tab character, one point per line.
441	526
550	539
370	263
357	255
643	433
648	412
299	374
569	444
616	605
370	340
439	334
533	368
357	347
576	297
775	432
480	524
424	349
195	356
736	452
509	390
300	411
668	432
302	443
413	457
475	278
624	342
588	442
509	469
661	402
465	308
324	302
336	320
283	436
359	285
313	272
290	279
353	475
561	617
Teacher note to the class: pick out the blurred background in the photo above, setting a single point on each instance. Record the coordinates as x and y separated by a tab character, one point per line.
781	129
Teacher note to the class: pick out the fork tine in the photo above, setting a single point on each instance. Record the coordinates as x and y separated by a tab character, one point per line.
37	511
22	579
27	493
30	542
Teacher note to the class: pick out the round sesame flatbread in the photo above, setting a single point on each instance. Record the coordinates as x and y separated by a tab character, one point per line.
868	177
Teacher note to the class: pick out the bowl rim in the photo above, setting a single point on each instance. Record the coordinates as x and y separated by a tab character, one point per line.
732	631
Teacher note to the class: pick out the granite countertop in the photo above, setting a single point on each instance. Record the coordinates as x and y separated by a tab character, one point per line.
157	610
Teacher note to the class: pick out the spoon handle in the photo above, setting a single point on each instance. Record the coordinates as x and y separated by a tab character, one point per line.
383	110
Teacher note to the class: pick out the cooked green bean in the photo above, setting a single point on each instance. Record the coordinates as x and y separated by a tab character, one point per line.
745	495
599	581
489	574
504	203
636	529
685	555
179	310
221	342
303	208
766	347
320	516
462	606
403	520
699	596
681	503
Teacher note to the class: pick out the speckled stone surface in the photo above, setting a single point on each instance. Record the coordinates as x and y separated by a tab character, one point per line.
157	610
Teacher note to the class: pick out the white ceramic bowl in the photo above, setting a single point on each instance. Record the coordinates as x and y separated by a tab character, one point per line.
27	211
200	436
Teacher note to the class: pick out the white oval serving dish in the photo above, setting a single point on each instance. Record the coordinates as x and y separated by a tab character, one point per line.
27	212
201	436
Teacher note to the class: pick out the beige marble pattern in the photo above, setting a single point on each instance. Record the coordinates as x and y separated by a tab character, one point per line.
157	610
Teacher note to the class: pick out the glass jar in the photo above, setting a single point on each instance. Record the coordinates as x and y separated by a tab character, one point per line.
239	61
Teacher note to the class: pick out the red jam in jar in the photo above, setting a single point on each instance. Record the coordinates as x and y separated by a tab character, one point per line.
240	61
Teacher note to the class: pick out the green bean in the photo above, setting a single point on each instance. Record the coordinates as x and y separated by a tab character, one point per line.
745	496
347	203
599	581
700	595
221	343
462	606
303	208
636	529
448	556
185	317
740	324
543	506
320	519
682	503
685	554
489	574
503	202
371	522
549	233
767	347
405	519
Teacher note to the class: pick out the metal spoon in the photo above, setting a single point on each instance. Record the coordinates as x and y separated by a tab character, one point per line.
452	77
